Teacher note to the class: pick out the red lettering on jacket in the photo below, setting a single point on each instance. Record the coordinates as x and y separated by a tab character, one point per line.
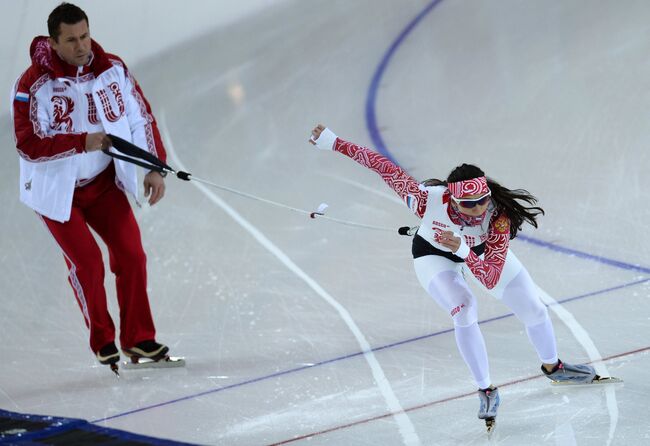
110	114
92	110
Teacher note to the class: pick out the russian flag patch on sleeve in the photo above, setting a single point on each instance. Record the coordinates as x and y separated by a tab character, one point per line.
411	202
22	97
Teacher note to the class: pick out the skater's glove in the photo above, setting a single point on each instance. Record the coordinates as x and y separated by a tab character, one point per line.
463	249
326	140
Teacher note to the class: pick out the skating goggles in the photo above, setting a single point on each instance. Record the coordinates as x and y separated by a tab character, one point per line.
469	203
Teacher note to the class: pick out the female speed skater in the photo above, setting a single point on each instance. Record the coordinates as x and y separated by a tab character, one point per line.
467	224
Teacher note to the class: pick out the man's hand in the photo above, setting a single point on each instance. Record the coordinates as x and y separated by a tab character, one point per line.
154	184
97	141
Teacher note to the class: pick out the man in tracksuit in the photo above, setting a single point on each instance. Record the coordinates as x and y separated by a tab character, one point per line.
63	107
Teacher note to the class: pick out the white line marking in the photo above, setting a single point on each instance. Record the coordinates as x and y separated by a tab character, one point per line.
406	428
584	339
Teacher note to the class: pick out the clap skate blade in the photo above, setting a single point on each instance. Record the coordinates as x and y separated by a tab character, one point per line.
490	424
115	369
596	381
138	362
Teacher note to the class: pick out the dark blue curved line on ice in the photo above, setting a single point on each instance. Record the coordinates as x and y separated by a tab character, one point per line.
583	255
371	99
380	145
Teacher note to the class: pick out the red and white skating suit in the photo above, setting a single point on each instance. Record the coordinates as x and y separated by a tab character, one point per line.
441	273
54	106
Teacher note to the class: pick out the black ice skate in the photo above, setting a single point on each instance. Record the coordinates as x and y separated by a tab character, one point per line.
108	355
149	354
564	374
490	400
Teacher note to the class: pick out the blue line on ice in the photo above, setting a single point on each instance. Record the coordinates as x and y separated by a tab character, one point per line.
352	355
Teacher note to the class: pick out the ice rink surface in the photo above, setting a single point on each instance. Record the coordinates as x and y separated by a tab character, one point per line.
300	331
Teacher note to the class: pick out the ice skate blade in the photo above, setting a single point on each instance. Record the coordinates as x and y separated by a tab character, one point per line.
145	363
598	380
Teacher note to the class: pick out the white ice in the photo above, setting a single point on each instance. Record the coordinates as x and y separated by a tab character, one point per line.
282	318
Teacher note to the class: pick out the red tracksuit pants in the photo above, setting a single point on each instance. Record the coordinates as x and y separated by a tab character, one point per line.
102	206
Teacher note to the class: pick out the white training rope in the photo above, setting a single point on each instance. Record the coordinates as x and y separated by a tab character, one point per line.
312	214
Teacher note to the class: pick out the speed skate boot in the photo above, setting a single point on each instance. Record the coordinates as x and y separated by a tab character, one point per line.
108	355
150	354
146	350
490	400
564	373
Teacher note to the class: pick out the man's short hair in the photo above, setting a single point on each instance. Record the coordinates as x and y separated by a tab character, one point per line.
64	13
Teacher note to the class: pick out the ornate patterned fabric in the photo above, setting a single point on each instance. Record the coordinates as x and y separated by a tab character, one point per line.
488	271
401	182
465	188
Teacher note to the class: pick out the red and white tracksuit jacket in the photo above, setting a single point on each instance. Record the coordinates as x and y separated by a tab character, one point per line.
54	106
431	204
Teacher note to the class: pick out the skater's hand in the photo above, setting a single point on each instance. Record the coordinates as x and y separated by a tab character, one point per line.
154	185
448	240
315	134
322	137
97	141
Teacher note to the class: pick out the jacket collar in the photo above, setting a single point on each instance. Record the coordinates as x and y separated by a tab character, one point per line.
44	57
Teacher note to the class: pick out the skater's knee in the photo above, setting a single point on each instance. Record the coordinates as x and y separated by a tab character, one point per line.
464	314
540	314
451	293
523	299
534	314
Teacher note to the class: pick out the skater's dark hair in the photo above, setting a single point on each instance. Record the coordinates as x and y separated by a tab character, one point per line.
504	199
64	13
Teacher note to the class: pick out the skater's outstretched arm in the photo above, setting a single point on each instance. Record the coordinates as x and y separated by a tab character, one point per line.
401	182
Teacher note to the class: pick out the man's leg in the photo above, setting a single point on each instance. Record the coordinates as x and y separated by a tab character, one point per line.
112	218
86	275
